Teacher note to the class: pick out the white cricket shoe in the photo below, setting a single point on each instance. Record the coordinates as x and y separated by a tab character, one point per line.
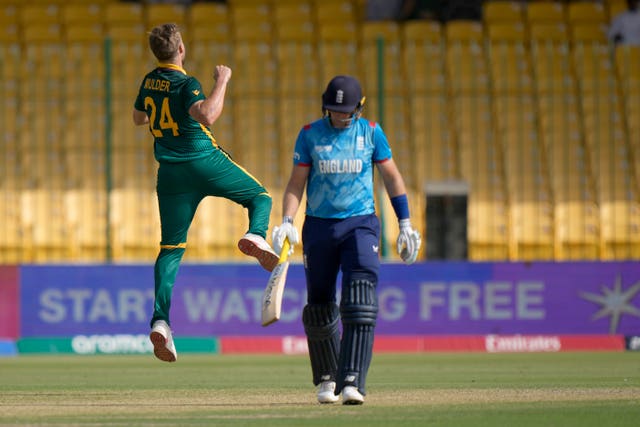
326	392
163	346
255	246
351	396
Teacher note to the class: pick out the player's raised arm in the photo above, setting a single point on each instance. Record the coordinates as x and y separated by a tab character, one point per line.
208	110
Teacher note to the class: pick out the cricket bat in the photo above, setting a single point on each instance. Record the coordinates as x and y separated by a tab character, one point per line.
272	298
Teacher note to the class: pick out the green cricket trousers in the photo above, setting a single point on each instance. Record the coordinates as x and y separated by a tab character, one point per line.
180	188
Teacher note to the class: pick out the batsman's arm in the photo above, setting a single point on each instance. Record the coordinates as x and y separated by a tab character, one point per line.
293	192
393	181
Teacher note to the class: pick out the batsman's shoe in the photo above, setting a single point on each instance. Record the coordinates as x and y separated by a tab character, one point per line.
351	396
255	246
163	346
326	392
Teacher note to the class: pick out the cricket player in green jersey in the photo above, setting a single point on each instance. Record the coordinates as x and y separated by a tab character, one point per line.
191	167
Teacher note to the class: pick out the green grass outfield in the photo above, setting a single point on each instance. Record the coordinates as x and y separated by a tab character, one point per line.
478	389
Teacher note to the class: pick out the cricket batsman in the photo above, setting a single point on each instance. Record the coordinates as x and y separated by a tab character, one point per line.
334	158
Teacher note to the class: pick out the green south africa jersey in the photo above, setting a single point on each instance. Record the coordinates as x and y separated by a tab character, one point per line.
166	94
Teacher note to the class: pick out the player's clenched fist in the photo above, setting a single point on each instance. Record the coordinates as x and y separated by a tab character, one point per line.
222	73
408	243
286	230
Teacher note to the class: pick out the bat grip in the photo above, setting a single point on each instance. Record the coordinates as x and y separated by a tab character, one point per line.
285	251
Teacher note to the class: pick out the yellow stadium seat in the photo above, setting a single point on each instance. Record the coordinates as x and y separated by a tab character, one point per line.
588	32
459	30
423	57
297	59
253	31
208	46
620	221
41	33
328	11
254	59
550	59
288	12
45	223
11	52
161	13
87	218
594	69
207	15
548	12
12	233
135	224
481	166
614	170
84	33
86	165
383	35
337	40
467	67
85	59
586	11
9	14
548	32
215	230
532	231
81	13
509	59
120	14
435	157
627	59
39	14
488	230
127	33
250	14
577	230
472	113
502	11
297	110
257	149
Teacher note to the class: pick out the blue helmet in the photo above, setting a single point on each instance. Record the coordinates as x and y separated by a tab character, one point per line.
343	94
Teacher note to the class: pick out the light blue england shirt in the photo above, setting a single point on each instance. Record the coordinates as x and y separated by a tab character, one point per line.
340	183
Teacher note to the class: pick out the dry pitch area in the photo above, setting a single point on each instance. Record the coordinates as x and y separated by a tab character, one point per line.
579	389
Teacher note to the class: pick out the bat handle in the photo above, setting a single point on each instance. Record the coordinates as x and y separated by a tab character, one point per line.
285	251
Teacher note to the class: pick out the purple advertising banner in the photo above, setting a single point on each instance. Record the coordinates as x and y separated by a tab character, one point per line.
448	298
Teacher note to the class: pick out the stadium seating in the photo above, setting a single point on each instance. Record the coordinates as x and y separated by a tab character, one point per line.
549	12
160	13
495	11
586	12
337	40
380	51
12	233
530	106
423	53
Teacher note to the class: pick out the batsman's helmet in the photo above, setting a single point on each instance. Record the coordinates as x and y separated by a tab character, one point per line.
343	94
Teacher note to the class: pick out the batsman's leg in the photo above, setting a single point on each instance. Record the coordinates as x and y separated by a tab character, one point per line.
359	310
321	323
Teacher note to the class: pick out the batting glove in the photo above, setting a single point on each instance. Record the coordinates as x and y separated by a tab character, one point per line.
408	243
286	230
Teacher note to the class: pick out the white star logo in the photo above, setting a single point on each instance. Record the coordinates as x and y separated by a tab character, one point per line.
614	303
